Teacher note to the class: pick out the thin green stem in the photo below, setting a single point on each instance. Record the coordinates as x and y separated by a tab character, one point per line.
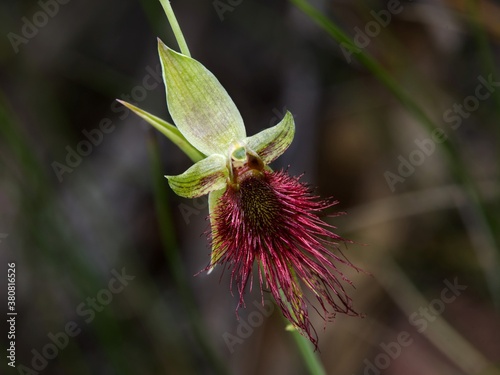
306	349
311	359
175	27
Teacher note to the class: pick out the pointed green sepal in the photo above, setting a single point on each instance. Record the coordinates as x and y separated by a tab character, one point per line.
200	107
168	130
269	144
202	178
213	199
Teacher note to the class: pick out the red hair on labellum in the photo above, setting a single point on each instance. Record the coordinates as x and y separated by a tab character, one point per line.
273	219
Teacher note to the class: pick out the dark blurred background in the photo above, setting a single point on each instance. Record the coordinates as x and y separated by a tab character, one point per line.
101	289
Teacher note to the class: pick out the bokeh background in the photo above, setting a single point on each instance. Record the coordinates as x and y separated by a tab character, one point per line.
74	216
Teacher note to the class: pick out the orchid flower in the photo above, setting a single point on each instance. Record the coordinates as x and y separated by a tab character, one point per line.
257	215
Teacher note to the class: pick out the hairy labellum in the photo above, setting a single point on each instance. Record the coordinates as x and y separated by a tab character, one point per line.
272	218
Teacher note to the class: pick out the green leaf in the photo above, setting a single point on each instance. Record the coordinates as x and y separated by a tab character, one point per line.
168	130
203	177
269	144
200	107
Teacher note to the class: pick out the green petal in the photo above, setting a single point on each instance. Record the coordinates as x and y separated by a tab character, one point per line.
168	130
200	107
269	144
205	176
213	198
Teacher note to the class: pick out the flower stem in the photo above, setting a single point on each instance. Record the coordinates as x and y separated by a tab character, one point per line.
311	359
175	27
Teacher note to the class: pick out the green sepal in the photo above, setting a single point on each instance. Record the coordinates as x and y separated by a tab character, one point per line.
168	130
213	199
201	108
271	143
202	178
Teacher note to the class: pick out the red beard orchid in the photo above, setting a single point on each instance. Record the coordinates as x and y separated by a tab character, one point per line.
258	216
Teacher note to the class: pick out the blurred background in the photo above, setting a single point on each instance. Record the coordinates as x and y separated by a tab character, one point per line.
107	257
